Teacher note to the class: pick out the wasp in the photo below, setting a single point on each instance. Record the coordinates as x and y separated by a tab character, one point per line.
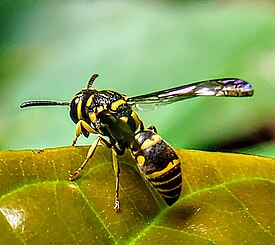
111	115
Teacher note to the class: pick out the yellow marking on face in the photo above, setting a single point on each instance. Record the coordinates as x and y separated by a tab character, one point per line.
161	172
117	103
140	159
79	108
124	119
89	101
150	142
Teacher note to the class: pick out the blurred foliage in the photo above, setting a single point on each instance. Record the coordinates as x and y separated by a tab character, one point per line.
226	199
49	49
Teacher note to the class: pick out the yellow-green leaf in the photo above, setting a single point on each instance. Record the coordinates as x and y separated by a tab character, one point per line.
226	199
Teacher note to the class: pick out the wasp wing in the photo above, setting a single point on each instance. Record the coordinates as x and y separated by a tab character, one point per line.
225	87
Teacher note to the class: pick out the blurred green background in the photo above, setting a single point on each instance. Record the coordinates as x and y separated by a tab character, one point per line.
49	49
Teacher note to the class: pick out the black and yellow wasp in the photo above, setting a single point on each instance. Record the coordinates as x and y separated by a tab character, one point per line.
109	113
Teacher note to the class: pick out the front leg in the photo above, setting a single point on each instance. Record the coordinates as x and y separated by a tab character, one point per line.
90	153
78	130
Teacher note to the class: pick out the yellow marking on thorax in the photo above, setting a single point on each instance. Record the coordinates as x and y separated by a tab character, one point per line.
117	103
150	142
96	110
165	170
89	101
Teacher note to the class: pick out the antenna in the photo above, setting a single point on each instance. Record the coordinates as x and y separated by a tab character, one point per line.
91	81
43	103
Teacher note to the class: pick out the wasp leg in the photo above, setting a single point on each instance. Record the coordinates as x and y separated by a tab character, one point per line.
153	128
117	172
90	153
78	130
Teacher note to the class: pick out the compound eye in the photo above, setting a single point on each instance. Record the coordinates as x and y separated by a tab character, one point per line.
73	109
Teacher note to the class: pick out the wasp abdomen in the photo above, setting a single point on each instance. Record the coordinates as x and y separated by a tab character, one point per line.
159	163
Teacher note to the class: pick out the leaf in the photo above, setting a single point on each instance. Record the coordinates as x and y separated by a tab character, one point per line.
226	199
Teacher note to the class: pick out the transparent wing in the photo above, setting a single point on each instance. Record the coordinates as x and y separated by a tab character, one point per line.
225	87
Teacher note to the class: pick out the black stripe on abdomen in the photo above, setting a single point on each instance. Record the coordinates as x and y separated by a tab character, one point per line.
168	184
